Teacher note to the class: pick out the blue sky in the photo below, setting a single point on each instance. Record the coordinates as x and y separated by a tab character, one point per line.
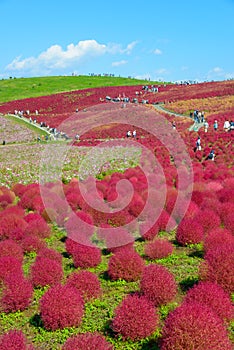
167	40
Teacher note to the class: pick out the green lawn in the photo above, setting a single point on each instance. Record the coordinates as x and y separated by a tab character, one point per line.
20	88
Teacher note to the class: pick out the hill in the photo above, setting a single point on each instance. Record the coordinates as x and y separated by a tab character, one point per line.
20	88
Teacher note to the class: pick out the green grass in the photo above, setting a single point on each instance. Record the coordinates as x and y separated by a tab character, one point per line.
22	122
20	88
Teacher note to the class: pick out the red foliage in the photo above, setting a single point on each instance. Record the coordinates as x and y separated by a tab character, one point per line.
165	221
45	272
208	219
158	249
125	264
17	293
14	340
32	244
135	318
86	256
11	248
86	283
217	237
9	223
214	296
60	307
150	233
158	284
8	265
37	226
218	267
189	231
50	254
229	222
91	341
194	326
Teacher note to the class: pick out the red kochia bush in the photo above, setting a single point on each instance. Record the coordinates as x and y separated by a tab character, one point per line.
125	264
14	340
217	237
17	293
9	223
38	227
86	283
189	231
194	326
135	318
11	248
32	244
86	256
158	249
45	271
50	254
214	296
208	219
9	264
87	341
158	284
218	267
60	307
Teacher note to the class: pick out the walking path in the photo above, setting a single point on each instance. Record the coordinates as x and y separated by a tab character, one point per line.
193	127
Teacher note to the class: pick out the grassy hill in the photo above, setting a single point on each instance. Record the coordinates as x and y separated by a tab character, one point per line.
20	88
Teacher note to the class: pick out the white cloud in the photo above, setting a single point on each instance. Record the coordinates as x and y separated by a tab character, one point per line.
157	52
162	71
119	63
218	73
55	57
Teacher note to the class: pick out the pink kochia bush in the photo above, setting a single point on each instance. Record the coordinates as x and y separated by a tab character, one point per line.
125	264
214	296
84	256
10	248
14	340
218	237
158	249
37	226
60	307
189	231
17	293
194	326
158	284
8	265
218	267
45	271
87	341
208	219
86	283
135	318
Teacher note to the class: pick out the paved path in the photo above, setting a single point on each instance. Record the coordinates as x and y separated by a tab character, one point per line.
193	127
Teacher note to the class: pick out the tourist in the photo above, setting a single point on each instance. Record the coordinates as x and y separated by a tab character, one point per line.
226	125
211	156
134	133
215	125
206	126
198	144
173	125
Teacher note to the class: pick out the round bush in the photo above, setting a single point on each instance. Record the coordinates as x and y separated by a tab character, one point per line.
14	340
10	248
86	256
86	283
125	264
148	233
32	244
38	227
217	237
189	231
9	223
158	284
87	341
60	307
214	296
158	249
135	318
17	293
45	272
50	253
194	326
208	219
218	267
9	264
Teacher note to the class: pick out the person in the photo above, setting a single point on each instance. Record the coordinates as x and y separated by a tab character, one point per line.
174	125
215	125
77	137
226	125
129	134
198	144
134	133
211	156
231	125
206	126
3	142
